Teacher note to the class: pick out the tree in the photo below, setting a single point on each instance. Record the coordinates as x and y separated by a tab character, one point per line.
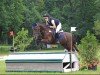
11	15
88	49
22	40
97	29
97	20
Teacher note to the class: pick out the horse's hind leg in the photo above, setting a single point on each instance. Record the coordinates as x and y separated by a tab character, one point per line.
75	48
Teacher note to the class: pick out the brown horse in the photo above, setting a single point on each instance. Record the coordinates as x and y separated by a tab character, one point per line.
46	35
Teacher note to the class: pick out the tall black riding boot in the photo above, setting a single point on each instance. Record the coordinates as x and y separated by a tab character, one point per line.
56	36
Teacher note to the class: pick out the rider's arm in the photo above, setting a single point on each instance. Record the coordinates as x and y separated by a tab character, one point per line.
46	23
53	23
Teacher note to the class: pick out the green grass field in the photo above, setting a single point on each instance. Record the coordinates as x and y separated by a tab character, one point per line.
3	71
4	49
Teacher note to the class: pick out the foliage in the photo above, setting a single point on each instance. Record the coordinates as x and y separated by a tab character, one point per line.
97	20
22	40
11	16
11	13
88	49
97	28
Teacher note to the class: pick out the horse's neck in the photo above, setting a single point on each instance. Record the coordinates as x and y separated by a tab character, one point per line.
42	31
45	31
44	28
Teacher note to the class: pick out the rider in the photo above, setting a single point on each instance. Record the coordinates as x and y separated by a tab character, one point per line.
53	23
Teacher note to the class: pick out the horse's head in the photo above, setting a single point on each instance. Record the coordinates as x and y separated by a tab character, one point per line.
36	31
39	29
42	31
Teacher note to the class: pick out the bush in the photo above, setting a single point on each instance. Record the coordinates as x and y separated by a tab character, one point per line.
22	40
88	49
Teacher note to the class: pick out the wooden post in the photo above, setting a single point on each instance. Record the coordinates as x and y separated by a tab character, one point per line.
12	34
71	53
13	43
72	29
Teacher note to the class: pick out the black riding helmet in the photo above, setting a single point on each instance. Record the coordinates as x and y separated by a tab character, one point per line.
46	15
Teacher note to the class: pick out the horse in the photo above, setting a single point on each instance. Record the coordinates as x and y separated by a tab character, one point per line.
46	35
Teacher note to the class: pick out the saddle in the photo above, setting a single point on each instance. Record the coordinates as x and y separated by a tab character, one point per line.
56	36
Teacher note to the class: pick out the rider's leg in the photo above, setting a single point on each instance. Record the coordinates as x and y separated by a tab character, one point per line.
56	35
57	30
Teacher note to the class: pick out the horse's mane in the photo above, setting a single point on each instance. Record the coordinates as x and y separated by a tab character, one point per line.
43	26
40	23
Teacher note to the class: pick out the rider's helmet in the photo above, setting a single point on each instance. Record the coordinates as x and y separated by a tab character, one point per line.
46	15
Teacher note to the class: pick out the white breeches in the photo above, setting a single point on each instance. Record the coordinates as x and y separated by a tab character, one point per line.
58	28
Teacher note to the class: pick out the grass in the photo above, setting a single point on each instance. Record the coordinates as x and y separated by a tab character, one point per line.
4	50
3	71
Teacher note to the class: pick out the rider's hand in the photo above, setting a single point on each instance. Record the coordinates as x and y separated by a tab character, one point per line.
52	27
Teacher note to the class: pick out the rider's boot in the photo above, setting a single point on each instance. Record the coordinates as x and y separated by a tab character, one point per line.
57	37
